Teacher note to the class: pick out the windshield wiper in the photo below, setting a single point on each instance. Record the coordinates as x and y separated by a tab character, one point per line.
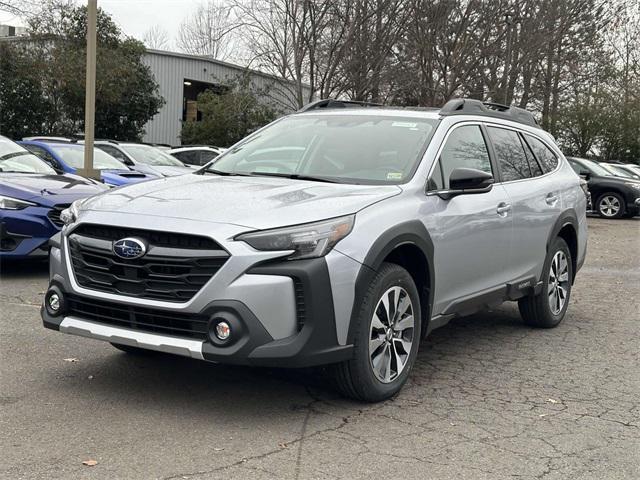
7	156
294	176
224	174
17	171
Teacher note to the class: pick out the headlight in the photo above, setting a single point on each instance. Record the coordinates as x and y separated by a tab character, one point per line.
8	203
633	184
70	215
310	240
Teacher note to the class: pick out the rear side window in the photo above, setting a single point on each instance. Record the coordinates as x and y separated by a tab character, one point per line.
510	154
188	156
548	160
465	148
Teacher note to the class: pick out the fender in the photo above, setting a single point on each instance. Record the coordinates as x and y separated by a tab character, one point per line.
568	217
412	232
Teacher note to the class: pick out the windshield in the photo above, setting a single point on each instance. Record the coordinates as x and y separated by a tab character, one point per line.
595	168
24	162
74	156
620	172
151	156
340	148
16	159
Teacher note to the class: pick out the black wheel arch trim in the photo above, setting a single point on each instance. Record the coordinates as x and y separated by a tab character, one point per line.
568	217
412	232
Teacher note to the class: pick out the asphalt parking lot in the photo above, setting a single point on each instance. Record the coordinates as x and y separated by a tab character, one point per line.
489	398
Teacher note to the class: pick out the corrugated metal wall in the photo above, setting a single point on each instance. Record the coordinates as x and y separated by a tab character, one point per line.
171	69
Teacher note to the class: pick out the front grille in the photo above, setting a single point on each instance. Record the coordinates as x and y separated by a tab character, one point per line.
175	268
54	215
185	325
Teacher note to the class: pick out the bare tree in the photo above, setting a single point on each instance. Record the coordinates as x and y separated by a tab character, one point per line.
19	7
208	31
157	38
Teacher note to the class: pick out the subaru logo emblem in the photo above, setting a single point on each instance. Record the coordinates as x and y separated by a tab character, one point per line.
129	248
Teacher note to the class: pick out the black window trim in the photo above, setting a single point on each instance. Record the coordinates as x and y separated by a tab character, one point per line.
492	160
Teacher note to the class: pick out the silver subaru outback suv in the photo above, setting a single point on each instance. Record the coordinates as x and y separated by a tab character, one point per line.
340	235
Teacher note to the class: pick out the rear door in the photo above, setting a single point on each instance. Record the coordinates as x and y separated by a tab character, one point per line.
471	233
535	197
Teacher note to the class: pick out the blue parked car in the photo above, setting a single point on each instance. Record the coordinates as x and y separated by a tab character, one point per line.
68	157
32	196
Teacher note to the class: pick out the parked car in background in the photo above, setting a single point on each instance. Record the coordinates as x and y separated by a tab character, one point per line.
67	157
32	196
630	168
618	171
196	155
334	236
612	196
146	158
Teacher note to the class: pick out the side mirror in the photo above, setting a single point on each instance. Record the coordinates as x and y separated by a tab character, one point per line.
585	174
463	181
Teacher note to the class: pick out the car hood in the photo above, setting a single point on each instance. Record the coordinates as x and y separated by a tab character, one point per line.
614	179
253	202
170	170
46	189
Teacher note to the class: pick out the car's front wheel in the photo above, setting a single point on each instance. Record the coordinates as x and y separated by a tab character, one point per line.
610	205
386	338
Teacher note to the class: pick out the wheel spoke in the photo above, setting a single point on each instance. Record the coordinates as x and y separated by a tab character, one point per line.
406	346
374	343
404	323
384	301
376	323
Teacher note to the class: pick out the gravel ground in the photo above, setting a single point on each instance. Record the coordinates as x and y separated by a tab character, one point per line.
488	399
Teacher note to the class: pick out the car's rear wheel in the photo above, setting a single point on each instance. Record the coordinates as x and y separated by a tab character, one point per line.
547	309
386	339
610	205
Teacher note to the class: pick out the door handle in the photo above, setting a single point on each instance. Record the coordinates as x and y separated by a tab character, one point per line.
551	199
503	209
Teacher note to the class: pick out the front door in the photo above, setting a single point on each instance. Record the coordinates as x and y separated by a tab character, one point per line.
471	233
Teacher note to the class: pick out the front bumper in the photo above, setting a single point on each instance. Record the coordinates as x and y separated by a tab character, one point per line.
282	312
24	233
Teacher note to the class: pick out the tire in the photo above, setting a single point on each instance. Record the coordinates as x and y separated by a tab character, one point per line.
537	311
131	350
358	378
610	205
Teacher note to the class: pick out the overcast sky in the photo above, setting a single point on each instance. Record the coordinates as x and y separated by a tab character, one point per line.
135	17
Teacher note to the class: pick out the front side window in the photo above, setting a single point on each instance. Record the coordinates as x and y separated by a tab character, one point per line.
465	148
115	153
361	149
548	160
510	154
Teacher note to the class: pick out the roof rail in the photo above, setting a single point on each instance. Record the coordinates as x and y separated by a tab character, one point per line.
469	106
333	103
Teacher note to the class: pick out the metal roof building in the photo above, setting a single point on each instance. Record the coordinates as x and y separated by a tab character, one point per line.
182	77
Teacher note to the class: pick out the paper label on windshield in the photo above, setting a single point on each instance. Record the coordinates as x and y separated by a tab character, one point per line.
404	124
394	176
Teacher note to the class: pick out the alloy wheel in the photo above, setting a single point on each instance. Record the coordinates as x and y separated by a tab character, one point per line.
558	282
391	334
609	206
